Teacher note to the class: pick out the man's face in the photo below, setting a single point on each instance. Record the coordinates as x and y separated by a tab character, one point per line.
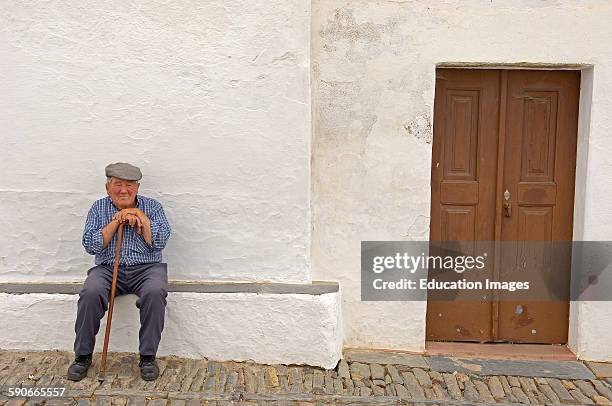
122	192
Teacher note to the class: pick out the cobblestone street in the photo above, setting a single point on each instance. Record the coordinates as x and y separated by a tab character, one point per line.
395	379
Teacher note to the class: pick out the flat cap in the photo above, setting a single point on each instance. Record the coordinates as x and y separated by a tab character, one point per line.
123	170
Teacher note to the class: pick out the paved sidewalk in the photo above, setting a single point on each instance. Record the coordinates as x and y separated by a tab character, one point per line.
363	378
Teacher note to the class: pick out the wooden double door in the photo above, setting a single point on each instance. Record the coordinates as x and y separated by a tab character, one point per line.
503	169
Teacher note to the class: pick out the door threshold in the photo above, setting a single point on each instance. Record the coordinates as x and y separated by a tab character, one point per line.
505	351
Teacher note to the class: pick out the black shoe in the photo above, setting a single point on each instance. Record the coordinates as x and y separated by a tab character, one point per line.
149	370
78	369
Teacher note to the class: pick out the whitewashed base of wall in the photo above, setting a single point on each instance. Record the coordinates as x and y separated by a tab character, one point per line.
265	328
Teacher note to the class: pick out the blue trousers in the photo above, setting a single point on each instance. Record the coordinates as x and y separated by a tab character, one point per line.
148	281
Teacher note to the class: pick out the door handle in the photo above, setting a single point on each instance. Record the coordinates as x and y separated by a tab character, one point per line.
507	204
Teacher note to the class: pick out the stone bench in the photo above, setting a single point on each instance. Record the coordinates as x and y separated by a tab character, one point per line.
270	323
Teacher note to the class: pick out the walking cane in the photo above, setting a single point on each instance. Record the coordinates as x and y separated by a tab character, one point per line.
109	318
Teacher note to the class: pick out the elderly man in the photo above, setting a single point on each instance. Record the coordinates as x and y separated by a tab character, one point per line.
141	271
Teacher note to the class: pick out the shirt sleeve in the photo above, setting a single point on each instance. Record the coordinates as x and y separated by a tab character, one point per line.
160	229
92	235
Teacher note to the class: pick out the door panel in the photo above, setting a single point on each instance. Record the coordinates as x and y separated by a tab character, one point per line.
530	117
463	193
539	173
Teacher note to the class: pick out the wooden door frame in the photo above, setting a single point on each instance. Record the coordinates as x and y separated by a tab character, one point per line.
582	134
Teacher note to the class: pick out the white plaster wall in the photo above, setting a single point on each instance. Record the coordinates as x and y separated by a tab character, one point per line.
264	328
582	151
373	66
210	99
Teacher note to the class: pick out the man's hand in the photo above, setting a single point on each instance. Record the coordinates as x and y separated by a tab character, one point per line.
134	221
136	218
121	215
133	217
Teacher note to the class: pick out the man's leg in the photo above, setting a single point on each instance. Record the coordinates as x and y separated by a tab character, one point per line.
150	283
91	306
